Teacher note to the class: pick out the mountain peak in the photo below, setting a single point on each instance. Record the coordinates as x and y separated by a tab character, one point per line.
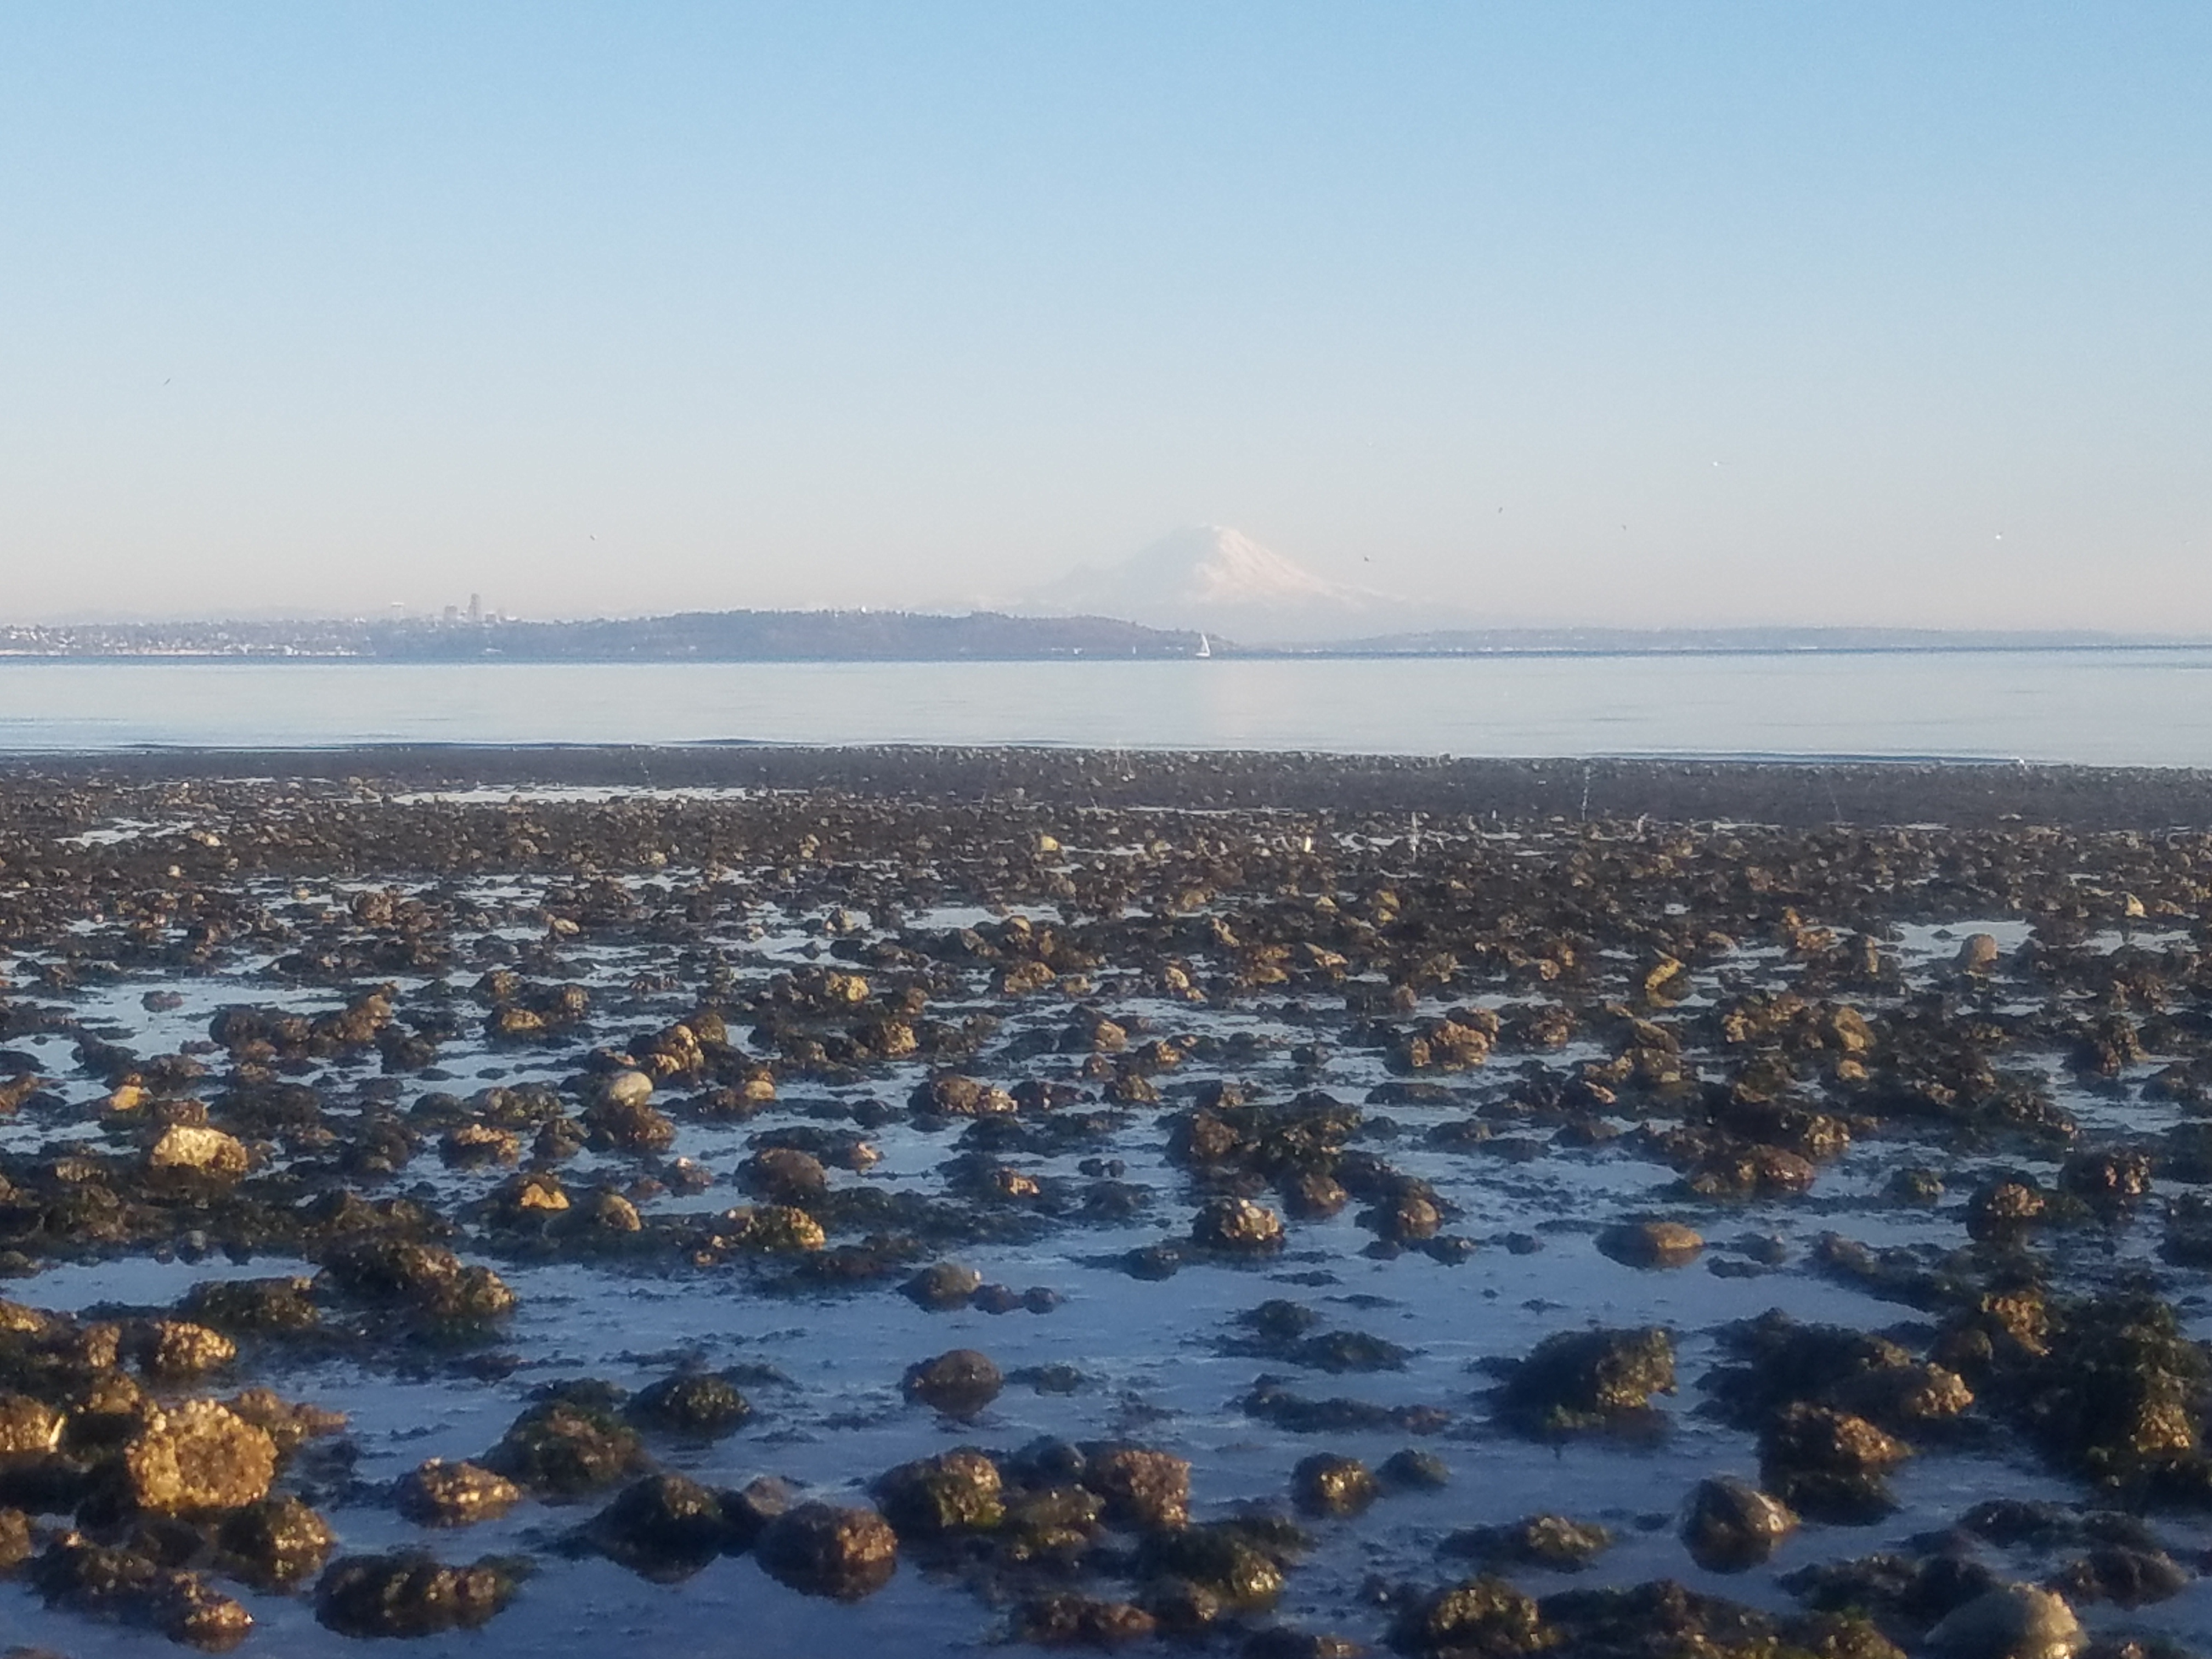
1215	564
1214	577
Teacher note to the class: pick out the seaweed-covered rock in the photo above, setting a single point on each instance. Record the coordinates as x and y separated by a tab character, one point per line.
1808	1437
565	1448
1408	1470
665	1527
1578	1379
241	1305
16	1542
1236	1225
275	1542
442	1493
1220	1558
784	1175
954	1492
135	1589
200	1150
2015	1621
1535	1541
1064	1620
1326	1484
200	1456
959	1382
2125	1576
1730	1525
822	1549
1483	1616
770	1230
290	1423
942	1287
179	1350
1651	1244
1904	1593
953	1096
29	1427
697	1404
1142	1488
2114	1392
427	1279
407	1593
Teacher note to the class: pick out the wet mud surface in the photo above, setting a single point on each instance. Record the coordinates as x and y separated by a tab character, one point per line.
444	1200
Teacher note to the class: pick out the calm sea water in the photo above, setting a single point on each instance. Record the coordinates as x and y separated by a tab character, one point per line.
2119	708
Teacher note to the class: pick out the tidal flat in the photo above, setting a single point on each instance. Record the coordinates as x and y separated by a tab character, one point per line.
808	1201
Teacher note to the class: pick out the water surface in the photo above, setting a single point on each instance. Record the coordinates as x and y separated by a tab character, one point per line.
2106	707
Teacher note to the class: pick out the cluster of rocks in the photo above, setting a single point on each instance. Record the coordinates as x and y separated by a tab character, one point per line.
1739	1010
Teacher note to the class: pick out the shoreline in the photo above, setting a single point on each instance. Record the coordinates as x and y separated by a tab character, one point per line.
1225	651
1802	794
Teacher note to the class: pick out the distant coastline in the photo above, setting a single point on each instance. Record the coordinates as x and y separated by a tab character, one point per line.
729	636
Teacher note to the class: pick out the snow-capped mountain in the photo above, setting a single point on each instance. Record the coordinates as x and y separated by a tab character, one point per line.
1218	579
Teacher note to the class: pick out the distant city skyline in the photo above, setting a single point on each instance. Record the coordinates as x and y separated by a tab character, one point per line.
1712	314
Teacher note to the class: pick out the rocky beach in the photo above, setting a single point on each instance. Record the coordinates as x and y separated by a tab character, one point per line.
1273	1205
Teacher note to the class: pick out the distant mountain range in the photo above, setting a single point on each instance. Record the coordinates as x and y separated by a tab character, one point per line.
692	636
1206	591
914	636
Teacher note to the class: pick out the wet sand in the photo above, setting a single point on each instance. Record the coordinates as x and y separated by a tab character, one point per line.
1335	1164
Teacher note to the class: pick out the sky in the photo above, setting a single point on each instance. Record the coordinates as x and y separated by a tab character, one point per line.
1621	313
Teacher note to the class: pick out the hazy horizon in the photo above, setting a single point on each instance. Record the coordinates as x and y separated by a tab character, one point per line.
1703	316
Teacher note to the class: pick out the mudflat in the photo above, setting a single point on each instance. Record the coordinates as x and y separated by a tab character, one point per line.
1289	1204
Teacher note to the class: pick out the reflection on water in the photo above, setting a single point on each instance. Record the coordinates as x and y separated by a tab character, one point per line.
2115	707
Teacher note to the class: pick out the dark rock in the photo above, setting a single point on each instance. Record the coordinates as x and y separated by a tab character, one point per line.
200	1457
1580	1378
1651	1244
820	1549
954	1492
2126	1577
2017	1621
697	1404
440	1493
1236	1225
1325	1484
1065	1620
1408	1470
566	1449
426	1277
1535	1540
408	1593
135	1589
1730	1525
275	1542
665	1527
959	1382
747	1511
1142	1489
1218	1559
942	1287
1483	1616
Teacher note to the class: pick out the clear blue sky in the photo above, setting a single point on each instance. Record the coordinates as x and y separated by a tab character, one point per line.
326	306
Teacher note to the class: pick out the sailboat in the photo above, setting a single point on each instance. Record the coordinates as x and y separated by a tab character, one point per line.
1204	647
